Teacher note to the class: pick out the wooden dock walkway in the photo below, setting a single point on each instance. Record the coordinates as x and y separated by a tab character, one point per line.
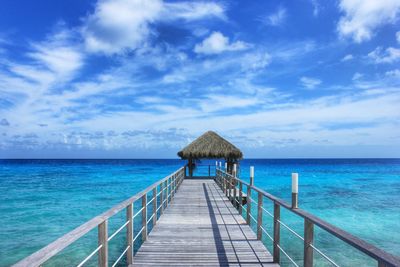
202	228
197	225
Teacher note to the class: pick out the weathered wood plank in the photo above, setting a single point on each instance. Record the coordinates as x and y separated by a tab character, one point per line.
202	228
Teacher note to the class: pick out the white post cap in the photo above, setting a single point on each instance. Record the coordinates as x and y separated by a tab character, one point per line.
252	171
295	183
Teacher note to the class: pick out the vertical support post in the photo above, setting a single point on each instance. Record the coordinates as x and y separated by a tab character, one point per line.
248	219
209	170
295	190
129	234
225	177
230	189
240	197
226	184
144	217
252	175
103	240
161	198
308	241
154	205
259	215
167	192
172	186
175	182
277	232
234	186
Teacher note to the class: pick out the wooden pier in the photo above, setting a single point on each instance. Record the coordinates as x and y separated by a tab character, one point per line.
203	222
201	227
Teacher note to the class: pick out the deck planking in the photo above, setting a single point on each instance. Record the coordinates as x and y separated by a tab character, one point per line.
202	228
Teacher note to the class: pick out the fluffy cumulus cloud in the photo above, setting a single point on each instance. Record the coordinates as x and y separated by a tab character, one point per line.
117	26
310	83
121	24
388	55
361	18
217	43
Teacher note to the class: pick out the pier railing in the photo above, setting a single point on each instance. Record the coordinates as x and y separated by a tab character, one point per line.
233	188
202	170
162	192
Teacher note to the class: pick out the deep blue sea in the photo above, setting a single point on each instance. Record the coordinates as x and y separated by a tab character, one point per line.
40	200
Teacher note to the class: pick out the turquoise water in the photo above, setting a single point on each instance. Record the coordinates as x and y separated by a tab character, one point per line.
40	200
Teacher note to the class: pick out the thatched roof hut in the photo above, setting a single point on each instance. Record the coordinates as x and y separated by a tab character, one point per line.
210	146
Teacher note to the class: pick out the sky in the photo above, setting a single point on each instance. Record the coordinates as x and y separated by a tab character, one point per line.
143	78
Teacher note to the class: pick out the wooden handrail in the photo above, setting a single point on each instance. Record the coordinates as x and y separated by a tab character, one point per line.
384	258
44	254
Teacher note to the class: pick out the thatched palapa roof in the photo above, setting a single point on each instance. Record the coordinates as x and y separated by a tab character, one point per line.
210	146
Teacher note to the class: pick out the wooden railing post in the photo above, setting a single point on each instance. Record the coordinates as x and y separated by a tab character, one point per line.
248	219
209	170
308	241
172	186
167	192
225	185
230	189
161	198
176	183
129	234
234	193
144	217
103	240
259	216
240	197
277	232
154	205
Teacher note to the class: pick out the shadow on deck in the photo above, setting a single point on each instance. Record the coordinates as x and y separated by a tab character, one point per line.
202	228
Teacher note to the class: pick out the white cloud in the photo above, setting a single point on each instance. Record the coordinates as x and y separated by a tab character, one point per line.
361	18
277	18
121	24
117	26
63	60
347	57
398	36
310	83
393	73
217	43
357	76
214	103
193	10
57	59
255	61
390	55
316	7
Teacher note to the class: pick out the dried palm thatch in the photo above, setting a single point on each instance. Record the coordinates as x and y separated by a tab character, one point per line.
210	146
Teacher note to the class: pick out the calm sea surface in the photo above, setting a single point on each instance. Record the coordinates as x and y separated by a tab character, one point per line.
40	200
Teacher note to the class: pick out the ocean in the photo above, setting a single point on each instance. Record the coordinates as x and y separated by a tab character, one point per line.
40	200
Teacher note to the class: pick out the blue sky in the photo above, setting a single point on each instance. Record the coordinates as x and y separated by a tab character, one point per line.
142	78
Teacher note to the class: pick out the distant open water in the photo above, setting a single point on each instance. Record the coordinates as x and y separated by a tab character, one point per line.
40	200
